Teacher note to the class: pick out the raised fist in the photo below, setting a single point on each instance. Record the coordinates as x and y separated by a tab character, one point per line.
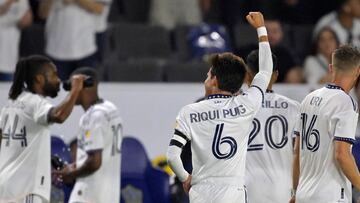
255	19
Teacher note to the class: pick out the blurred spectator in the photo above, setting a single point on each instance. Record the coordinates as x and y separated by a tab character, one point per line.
14	15
316	66
70	33
289	72
344	21
170	13
101	27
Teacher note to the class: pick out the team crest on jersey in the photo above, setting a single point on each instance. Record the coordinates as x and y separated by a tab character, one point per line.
176	124
87	134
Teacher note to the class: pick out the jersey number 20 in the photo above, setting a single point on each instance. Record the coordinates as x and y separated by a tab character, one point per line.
268	133
219	140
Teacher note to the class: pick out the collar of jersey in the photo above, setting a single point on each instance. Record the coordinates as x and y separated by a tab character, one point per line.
269	91
333	86
218	96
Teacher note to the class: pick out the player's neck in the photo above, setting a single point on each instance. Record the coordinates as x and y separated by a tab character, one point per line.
344	83
222	92
38	90
346	20
90	101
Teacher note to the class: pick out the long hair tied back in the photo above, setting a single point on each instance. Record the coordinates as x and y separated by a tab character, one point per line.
25	72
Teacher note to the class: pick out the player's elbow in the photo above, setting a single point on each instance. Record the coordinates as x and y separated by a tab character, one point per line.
57	116
341	156
94	165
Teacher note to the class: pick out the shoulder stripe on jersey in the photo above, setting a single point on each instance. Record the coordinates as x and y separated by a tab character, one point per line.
176	143
354	104
262	93
345	139
177	132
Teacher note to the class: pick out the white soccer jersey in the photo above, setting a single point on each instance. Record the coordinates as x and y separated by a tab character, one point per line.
218	129
269	158
100	129
69	32
25	148
327	114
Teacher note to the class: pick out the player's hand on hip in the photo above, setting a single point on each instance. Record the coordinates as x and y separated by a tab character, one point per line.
255	19
187	184
77	82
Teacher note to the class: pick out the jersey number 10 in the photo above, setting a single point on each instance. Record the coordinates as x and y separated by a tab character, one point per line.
116	142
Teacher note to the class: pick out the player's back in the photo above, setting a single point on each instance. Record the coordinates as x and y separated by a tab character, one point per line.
25	142
100	129
218	128
269	157
325	117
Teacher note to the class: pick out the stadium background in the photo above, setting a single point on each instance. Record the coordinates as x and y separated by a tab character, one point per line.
151	68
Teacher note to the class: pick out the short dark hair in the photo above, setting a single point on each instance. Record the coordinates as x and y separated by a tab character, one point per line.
88	72
25	73
252	61
229	70
346	57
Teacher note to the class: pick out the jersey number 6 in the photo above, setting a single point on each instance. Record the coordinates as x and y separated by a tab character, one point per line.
218	141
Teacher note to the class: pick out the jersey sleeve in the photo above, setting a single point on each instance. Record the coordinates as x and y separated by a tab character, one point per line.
180	138
182	133
94	138
344	119
41	111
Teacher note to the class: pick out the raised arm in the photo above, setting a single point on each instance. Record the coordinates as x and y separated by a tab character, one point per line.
59	113
262	78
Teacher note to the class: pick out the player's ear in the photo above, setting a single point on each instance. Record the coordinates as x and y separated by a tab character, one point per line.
40	78
214	81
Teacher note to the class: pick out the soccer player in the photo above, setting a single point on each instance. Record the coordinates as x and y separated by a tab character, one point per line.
24	121
269	156
323	162
218	127
97	167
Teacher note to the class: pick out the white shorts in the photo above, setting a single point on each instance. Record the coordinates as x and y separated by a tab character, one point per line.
31	199
210	193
